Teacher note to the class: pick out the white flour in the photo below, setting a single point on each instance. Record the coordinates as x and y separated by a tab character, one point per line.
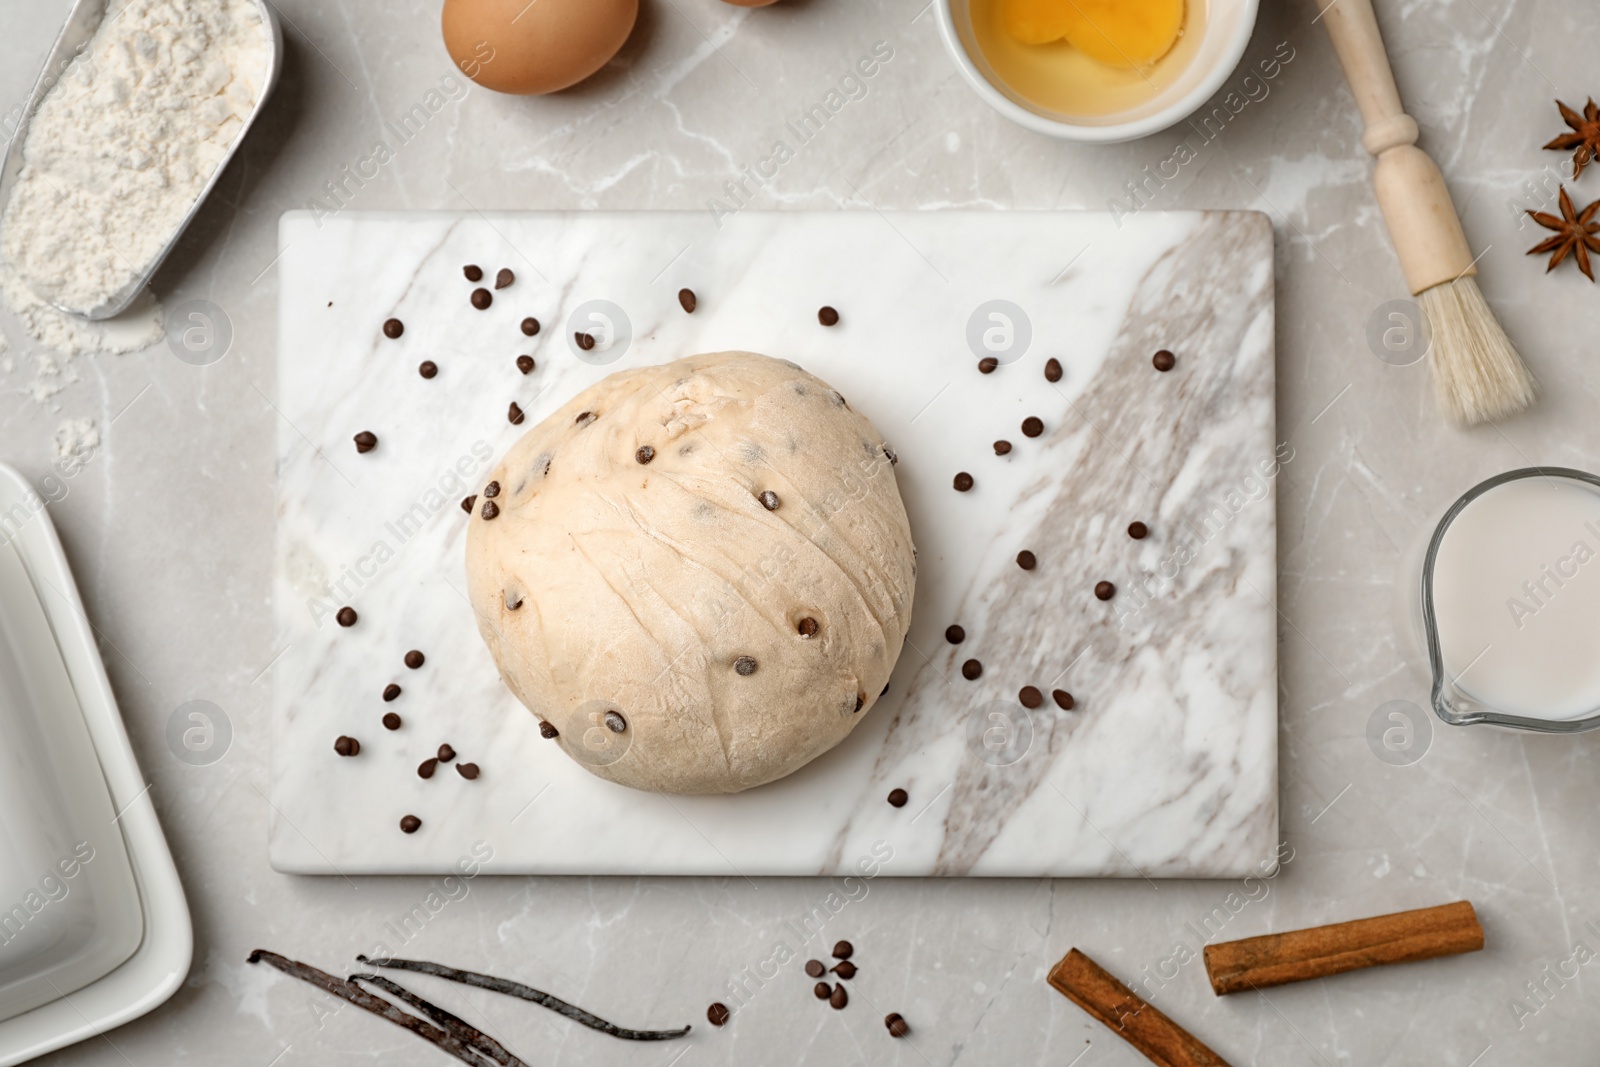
121	147
77	440
137	328
64	336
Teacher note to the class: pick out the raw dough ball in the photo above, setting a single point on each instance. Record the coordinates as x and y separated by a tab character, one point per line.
700	573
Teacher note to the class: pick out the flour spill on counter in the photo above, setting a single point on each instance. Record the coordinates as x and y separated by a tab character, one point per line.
60	338
76	440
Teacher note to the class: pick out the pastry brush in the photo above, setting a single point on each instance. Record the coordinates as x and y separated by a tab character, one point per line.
1478	375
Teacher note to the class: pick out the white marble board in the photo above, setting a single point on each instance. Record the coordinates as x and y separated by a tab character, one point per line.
1166	767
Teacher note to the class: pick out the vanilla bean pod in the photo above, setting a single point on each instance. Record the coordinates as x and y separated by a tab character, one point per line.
524	992
351	994
456	1026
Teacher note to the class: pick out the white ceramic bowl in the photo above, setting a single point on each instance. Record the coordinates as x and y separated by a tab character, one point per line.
1228	26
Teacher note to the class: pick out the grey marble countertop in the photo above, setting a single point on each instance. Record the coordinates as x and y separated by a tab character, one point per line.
169	527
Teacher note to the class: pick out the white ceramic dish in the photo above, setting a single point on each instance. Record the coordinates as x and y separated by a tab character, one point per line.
69	908
1228	26
125	931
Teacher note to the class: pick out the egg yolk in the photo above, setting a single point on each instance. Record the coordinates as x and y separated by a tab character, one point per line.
1119	33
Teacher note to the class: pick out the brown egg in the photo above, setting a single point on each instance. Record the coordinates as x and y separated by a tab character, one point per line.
518	46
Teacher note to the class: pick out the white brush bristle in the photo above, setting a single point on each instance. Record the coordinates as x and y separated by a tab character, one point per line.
1477	373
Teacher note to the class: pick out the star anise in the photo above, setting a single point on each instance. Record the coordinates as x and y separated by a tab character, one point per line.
1575	233
1585	135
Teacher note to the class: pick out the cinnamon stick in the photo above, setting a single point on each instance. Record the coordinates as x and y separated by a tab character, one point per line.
1301	955
1162	1041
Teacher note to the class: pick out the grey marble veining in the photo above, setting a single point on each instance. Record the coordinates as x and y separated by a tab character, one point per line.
1165	766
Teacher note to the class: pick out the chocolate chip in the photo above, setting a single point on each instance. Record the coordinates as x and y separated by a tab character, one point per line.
845	970
816	968
1027	560
473	272
644	455
889	454
843	950
1138	531
1002	448
963	482
687	301
1164	360
827	316
861	699
1030	697
446	753
346	616
745	665
548	731
490	510
898	1027
503	277
954	634
987	365
718	1014
615	722
428	369
884	690
366	441
415	659
393	328
1032	426
972	670
769	500
481	299
898	798
491	490
391	721
822	990
530	326
514	414
889	1020
469	771
808	627
585	340
467	502
410	824
1052	370
390	692
839	999
346	746
1105	590
513	600
525	364
1063	699
426	768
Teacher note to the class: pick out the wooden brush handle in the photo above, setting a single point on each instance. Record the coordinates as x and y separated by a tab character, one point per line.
1422	221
